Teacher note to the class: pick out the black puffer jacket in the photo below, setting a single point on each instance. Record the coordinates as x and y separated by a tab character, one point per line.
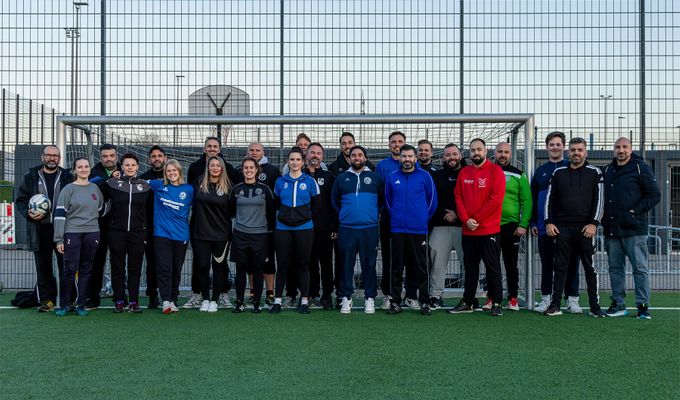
631	191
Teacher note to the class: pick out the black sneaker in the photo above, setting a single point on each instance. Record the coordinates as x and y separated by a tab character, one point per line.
327	303
133	308
425	309
269	300
338	303
46	306
89	306
496	310
119	307
617	310
553	310
395	308
303	309
461	308
643	312
436	303
238	307
596	311
275	309
154	303
256	308
251	299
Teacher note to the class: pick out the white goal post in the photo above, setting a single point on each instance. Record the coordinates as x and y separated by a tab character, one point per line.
84	122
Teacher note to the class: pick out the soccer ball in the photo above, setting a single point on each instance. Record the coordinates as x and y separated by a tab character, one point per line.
40	204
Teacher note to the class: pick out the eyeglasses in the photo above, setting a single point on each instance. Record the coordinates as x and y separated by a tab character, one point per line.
51	155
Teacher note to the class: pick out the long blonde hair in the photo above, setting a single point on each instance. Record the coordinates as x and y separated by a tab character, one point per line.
175	164
223	183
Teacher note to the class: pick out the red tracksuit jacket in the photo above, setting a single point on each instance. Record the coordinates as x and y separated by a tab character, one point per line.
479	195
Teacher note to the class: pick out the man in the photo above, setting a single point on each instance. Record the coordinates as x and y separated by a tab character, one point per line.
554	145
631	192
269	173
325	221
425	153
479	200
411	198
101	172
385	167
357	197
514	219
342	163
157	163
446	226
573	210
47	179
211	148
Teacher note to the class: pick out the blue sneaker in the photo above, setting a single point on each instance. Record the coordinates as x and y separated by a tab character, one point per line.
61	311
81	311
643	312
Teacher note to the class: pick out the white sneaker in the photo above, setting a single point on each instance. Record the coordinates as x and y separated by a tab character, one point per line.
223	301
346	306
212	307
387	300
572	305
369	306
544	304
412	304
205	306
167	309
194	301
173	307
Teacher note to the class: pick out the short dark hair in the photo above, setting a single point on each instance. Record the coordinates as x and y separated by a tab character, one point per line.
156	147
397	133
107	146
295	149
578	140
129	155
209	138
357	147
407	147
315	144
452	145
478	139
552	135
347	133
425	141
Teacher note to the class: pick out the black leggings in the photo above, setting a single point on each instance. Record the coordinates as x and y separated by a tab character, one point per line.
297	244
207	253
126	245
250	252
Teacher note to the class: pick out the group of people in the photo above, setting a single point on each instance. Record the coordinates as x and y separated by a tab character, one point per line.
282	228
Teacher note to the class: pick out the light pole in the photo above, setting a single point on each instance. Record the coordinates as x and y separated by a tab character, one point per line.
177	96
620	118
73	33
605	98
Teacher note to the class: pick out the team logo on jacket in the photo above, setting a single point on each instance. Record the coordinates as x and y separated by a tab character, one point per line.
468	181
303	186
220	193
285	185
120	183
481	182
262	177
368	180
320	181
94	197
397	182
140	187
451	179
182	195
258	192
241	193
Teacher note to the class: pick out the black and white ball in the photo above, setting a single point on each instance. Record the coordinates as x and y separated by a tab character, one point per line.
40	204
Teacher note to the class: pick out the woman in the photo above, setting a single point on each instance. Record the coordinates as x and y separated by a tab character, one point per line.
251	204
76	233
172	203
211	231
295	194
127	231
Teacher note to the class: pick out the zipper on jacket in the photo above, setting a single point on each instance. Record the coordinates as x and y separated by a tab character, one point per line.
129	204
295	194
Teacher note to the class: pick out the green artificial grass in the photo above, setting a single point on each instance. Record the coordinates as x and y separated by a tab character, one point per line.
332	356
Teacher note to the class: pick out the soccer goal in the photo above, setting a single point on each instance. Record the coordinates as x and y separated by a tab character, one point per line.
182	138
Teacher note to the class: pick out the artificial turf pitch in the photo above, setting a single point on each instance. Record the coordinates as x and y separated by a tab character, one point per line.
326	355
